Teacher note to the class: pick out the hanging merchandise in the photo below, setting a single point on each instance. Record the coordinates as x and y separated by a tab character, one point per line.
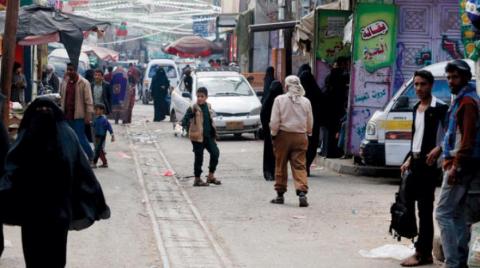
469	36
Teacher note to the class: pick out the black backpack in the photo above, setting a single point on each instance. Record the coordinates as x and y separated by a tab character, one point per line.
404	222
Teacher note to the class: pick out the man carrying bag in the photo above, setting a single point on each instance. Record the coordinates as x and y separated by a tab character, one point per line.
427	135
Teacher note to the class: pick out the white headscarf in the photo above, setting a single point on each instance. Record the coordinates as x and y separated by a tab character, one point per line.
294	88
50	71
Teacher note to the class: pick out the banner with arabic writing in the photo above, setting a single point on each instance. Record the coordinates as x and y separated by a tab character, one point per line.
375	35
330	31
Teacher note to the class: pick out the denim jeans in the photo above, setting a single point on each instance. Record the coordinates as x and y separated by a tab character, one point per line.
78	125
454	230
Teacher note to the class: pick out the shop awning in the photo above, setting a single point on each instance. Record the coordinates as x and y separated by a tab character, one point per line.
102	53
267	27
304	30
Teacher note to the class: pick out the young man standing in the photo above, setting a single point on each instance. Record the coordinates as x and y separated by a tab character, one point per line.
101	92
461	152
77	104
427	133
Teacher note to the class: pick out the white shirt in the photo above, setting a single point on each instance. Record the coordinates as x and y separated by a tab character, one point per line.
419	130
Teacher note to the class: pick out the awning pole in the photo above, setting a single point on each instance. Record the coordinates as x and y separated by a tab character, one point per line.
8	56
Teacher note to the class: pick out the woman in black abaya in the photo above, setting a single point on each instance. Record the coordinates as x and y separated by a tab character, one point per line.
314	95
268	155
49	187
267	82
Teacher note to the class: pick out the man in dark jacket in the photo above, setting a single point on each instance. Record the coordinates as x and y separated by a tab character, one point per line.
50	79
427	133
102	92
461	153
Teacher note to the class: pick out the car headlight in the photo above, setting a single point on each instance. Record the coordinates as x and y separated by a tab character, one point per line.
256	111
371	129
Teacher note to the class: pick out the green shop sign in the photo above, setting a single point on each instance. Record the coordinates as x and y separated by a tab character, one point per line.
330	32
375	35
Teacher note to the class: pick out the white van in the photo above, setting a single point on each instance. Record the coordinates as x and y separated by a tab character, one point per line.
171	70
389	131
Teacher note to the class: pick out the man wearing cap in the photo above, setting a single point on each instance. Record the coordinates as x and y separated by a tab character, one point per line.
461	152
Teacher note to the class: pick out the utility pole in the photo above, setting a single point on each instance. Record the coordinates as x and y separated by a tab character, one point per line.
8	56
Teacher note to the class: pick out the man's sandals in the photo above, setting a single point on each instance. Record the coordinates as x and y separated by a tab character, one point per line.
417	260
213	180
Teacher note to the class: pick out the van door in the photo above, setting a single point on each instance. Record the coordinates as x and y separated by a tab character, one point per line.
398	127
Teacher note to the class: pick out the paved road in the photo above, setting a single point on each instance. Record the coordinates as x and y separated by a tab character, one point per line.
162	221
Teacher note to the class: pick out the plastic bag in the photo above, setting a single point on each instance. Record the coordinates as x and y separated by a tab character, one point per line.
389	251
474	253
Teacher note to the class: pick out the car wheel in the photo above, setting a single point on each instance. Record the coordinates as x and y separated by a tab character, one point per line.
237	135
256	135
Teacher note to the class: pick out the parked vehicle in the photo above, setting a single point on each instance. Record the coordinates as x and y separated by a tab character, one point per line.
236	106
388	134
170	69
59	59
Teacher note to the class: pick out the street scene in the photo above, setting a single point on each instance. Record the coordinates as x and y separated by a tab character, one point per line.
239	133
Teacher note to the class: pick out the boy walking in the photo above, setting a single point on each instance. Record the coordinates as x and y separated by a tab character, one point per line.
101	126
202	133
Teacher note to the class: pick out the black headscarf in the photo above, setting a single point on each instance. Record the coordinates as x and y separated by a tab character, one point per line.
47	175
304	68
276	90
267	81
160	83
314	94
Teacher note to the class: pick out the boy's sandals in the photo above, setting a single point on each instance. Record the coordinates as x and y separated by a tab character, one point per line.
417	260
213	180
200	183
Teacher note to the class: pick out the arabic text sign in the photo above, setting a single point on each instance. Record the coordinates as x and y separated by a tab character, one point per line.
375	38
330	29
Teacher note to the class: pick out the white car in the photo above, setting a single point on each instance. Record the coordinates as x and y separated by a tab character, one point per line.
236	106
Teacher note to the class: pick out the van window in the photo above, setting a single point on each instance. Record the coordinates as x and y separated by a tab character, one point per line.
169	70
440	90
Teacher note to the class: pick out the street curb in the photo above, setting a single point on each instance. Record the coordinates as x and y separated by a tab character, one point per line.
346	166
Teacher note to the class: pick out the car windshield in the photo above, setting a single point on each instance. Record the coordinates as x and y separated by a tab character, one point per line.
169	70
225	86
440	90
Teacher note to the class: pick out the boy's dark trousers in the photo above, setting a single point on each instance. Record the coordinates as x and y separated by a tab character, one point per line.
211	146
99	149
421	188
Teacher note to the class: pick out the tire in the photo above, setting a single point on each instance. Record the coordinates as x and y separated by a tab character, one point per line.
237	135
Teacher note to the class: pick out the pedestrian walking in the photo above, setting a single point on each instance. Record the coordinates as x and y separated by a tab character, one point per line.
427	132
130	100
160	86
19	84
267	82
314	94
50	79
101	91
276	90
188	80
101	126
461	153
77	104
202	132
291	122
48	187
109	75
119	86
133	73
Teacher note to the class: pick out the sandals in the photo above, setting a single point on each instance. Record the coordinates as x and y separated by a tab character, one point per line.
213	181
103	166
417	260
200	183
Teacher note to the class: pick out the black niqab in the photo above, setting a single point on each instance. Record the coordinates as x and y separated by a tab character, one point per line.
47	175
304	68
267	81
